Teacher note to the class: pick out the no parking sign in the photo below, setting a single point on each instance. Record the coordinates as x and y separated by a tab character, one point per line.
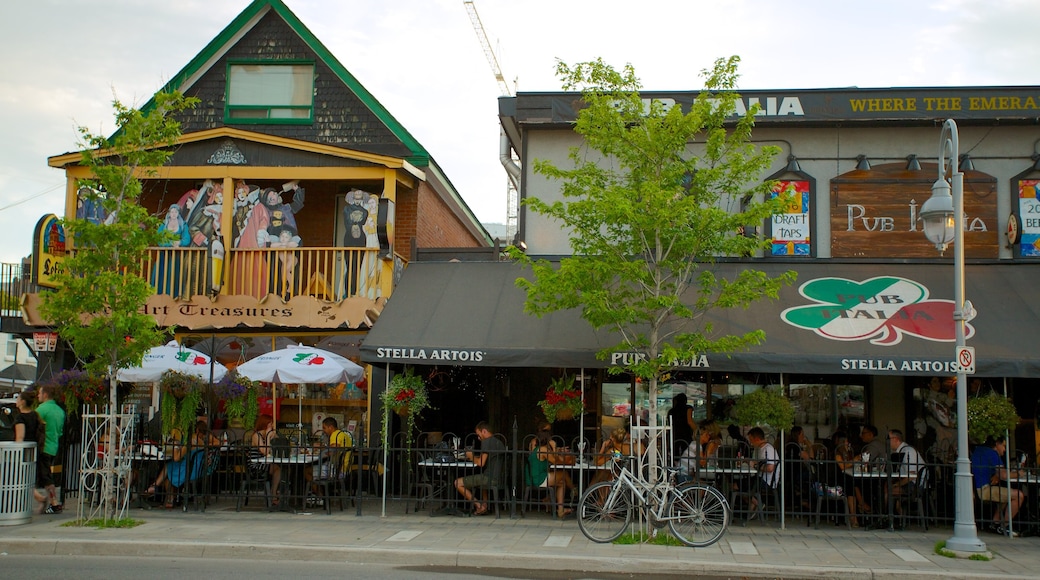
966	359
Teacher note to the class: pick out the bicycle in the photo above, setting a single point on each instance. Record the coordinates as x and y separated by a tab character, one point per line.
698	515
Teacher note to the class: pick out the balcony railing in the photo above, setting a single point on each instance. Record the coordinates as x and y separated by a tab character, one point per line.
326	273
14	281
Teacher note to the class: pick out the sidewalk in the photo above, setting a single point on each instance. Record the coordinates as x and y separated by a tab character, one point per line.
534	542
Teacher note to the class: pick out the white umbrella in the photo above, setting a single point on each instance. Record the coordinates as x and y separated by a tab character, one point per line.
301	364
172	357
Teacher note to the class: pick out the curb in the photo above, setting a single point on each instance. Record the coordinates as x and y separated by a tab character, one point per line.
458	558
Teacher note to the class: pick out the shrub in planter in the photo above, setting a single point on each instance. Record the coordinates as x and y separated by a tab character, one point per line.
765	407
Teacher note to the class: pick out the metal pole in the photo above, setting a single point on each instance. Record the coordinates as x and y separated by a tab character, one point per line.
965	536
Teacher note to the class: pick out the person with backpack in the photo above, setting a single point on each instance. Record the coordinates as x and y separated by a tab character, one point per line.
29	427
54	418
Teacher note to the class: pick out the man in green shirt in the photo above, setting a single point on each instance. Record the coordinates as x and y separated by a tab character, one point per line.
54	419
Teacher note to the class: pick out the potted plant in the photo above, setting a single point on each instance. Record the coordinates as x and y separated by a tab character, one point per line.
408	397
80	388
240	398
765	408
990	416
562	400
181	396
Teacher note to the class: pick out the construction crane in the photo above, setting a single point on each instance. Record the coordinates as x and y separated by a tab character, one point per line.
507	156
478	27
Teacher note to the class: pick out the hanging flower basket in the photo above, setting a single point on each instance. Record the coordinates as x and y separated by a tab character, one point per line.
79	388
181	395
240	398
408	397
562	400
990	416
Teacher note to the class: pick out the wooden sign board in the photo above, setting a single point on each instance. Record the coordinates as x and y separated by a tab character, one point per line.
875	213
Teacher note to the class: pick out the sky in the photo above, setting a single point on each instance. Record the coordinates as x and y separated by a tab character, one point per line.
65	60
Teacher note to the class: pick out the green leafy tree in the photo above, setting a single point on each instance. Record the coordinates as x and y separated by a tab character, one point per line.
656	194
98	305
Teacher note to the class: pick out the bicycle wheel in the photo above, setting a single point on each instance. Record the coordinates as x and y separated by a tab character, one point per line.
698	515
604	512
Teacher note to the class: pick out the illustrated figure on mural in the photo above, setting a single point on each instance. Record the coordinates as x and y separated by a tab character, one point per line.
256	216
205	215
284	270
88	206
282	232
936	421
368	282
166	272
355	218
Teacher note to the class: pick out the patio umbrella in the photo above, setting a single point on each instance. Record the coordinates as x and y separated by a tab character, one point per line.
301	364
172	357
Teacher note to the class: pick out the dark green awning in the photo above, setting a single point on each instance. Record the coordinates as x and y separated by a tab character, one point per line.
838	318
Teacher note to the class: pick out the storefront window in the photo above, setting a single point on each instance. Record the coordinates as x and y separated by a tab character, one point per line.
823	408
696	396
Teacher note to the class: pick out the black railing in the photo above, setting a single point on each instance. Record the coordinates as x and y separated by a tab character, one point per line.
420	480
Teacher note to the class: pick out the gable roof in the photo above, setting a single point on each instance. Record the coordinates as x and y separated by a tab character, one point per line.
244	22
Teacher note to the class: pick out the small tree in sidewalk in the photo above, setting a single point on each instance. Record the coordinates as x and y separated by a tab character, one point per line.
657	194
98	306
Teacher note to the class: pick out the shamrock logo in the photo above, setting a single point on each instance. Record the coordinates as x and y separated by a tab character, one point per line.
881	309
309	358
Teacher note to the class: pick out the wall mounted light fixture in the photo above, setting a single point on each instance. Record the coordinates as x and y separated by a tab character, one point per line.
912	164
862	163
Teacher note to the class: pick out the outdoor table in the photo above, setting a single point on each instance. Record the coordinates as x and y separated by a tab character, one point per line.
1030	509
725	475
443	473
876	477
294	463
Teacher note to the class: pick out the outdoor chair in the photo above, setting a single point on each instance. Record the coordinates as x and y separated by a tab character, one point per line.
422	484
533	494
831	494
331	482
198	485
255	477
920	496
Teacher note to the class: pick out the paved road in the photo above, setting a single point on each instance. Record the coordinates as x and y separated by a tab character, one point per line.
534	542
125	568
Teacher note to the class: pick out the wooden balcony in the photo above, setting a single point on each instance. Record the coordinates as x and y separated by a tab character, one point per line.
328	274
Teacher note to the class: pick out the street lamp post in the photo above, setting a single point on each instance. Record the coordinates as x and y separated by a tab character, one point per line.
943	218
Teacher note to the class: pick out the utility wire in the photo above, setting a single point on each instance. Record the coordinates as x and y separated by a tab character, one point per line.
32	197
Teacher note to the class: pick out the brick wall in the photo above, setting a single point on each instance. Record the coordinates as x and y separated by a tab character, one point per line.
438	227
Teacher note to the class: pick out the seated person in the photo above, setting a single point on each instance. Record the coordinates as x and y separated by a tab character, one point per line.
872	453
491	459
904	462
335	439
688	463
765	462
181	452
836	473
797	471
618	445
263	433
991	474
710	438
543	455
